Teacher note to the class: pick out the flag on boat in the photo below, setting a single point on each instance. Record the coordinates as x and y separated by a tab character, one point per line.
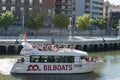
24	36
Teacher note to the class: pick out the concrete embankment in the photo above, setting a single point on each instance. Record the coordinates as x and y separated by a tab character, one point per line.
89	44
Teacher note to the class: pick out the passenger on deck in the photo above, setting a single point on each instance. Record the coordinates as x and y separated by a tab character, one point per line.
22	60
87	59
44	47
96	58
92	59
40	47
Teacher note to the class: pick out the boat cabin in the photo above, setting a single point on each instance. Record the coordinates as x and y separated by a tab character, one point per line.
64	55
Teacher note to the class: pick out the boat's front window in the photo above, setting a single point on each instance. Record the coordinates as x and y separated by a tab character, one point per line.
83	57
51	59
34	58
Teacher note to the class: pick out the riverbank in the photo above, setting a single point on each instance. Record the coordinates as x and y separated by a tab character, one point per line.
9	56
85	43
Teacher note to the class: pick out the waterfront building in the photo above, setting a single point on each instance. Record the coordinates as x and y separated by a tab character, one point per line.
80	7
72	8
114	16
21	9
63	6
76	8
106	7
92	7
18	7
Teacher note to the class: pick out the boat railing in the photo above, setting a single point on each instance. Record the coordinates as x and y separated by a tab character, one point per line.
46	47
20	60
92	59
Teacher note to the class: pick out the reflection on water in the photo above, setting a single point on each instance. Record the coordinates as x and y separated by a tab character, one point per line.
108	71
87	76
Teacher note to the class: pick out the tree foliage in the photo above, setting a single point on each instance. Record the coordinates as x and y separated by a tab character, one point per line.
83	22
35	22
6	19
61	20
114	23
101	22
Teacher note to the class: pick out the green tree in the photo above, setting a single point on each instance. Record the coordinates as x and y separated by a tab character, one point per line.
114	23
6	19
83	22
35	22
61	20
101	23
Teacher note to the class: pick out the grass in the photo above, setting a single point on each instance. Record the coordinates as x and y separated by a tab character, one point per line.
7	77
10	56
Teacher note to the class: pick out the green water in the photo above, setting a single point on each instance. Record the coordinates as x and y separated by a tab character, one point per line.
108	71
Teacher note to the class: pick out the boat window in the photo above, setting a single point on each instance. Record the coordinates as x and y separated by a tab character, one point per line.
51	59
34	58
82	57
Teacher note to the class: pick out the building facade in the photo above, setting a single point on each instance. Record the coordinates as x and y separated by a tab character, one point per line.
106	7
72	8
94	8
18	7
80	7
114	18
64	6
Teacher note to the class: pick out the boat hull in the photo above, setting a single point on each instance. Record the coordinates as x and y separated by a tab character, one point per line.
54	68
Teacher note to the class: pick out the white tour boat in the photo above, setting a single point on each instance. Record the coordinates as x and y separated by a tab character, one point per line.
49	59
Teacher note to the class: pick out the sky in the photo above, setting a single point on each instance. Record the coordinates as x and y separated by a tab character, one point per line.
116	2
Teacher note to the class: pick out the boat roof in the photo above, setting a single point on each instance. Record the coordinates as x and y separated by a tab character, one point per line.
28	50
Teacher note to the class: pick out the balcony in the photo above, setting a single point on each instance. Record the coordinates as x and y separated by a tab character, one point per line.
60	4
97	10
3	2
87	9
87	3
98	5
63	3
60	9
97	15
13	2
101	1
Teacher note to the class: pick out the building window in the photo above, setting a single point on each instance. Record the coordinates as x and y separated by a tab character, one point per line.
13	2
69	2
4	8
69	7
3	1
22	9
22	1
63	7
30	9
40	1
63	1
63	12
30	2
13	8
49	12
40	9
69	13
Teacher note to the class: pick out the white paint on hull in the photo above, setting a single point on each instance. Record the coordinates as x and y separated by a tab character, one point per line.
49	68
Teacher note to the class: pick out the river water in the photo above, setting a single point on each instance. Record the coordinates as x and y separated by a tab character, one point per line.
110	70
